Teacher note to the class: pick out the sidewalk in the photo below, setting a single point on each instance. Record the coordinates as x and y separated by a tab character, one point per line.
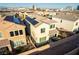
36	50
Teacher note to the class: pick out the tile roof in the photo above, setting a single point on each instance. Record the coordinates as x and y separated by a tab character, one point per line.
4	42
40	19
52	32
48	21
66	31
6	25
70	17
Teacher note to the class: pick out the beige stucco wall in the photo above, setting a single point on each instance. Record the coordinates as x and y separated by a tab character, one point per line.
36	32
33	31
76	26
53	30
39	34
6	34
18	38
66	24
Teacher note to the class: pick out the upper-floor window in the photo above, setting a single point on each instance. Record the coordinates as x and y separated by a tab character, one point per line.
0	35
52	26
21	32
16	33
76	23
11	33
61	21
42	30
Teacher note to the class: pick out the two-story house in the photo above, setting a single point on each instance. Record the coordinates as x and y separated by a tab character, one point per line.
66	20
40	28
15	33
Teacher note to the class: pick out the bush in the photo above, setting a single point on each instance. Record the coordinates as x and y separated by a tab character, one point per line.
21	49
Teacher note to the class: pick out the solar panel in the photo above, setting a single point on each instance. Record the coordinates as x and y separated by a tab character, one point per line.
9	18
32	21
12	19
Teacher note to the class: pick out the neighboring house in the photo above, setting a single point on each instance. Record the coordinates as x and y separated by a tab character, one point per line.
52	27
40	28
37	30
13	32
76	25
66	20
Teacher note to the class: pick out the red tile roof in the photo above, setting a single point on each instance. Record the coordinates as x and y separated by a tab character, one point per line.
62	29
52	31
4	42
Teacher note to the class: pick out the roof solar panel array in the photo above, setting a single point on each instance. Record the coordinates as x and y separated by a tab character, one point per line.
18	20
9	18
32	21
12	19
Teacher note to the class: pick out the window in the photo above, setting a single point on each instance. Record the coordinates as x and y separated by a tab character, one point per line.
21	32
76	23
50	16
18	43
11	34
0	35
43	39
52	26
61	21
16	33
42	30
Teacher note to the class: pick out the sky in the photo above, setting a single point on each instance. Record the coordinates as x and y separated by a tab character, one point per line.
39	5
